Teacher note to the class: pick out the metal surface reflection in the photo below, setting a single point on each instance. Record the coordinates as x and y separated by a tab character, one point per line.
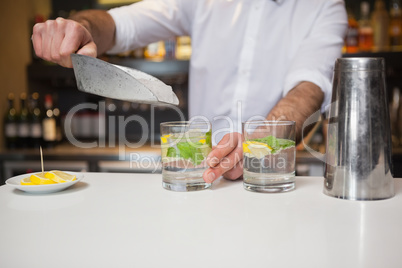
358	161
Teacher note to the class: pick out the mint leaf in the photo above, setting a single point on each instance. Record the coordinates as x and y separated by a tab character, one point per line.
185	150
284	143
275	143
171	152
208	138
198	156
192	151
272	142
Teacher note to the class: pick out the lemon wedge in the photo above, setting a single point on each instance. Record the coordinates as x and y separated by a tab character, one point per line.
40	178
59	176
246	150
164	138
256	149
27	181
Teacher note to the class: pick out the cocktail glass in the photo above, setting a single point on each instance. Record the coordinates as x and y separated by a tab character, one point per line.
269	156
185	146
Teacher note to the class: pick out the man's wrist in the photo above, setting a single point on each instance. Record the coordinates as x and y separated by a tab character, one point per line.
86	24
298	105
81	20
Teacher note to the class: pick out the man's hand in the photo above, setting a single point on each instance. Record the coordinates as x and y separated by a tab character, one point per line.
88	32
226	159
56	40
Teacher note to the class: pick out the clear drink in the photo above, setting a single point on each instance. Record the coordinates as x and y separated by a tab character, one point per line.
269	157
185	148
274	172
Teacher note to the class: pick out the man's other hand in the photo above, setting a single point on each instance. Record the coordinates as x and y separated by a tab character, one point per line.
226	159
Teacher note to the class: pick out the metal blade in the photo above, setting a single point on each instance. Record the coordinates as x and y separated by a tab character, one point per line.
117	82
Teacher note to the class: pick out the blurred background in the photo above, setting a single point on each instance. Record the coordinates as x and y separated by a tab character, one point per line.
36	95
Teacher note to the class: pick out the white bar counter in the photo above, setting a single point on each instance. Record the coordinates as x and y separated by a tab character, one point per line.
129	220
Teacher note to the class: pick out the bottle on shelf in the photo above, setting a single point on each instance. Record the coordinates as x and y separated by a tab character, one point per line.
170	48
395	25
155	51
23	122
35	121
49	123
394	116
183	48
10	124
380	21
365	28
57	116
352	34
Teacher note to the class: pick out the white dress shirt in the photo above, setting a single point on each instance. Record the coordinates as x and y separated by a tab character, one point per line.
247	54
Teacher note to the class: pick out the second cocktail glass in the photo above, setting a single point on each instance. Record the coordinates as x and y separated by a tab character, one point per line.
185	146
269	156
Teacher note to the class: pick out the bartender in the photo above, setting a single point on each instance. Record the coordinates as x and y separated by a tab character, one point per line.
251	59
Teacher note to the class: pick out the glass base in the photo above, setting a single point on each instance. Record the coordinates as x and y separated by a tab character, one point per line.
186	187
274	188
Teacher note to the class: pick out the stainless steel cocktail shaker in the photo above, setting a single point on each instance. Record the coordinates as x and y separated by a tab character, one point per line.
358	157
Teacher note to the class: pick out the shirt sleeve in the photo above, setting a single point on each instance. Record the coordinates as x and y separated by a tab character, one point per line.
316	56
140	24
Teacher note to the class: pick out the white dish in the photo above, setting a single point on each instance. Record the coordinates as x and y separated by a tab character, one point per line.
42	189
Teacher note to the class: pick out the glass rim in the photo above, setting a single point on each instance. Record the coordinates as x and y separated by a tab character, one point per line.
184	123
269	123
